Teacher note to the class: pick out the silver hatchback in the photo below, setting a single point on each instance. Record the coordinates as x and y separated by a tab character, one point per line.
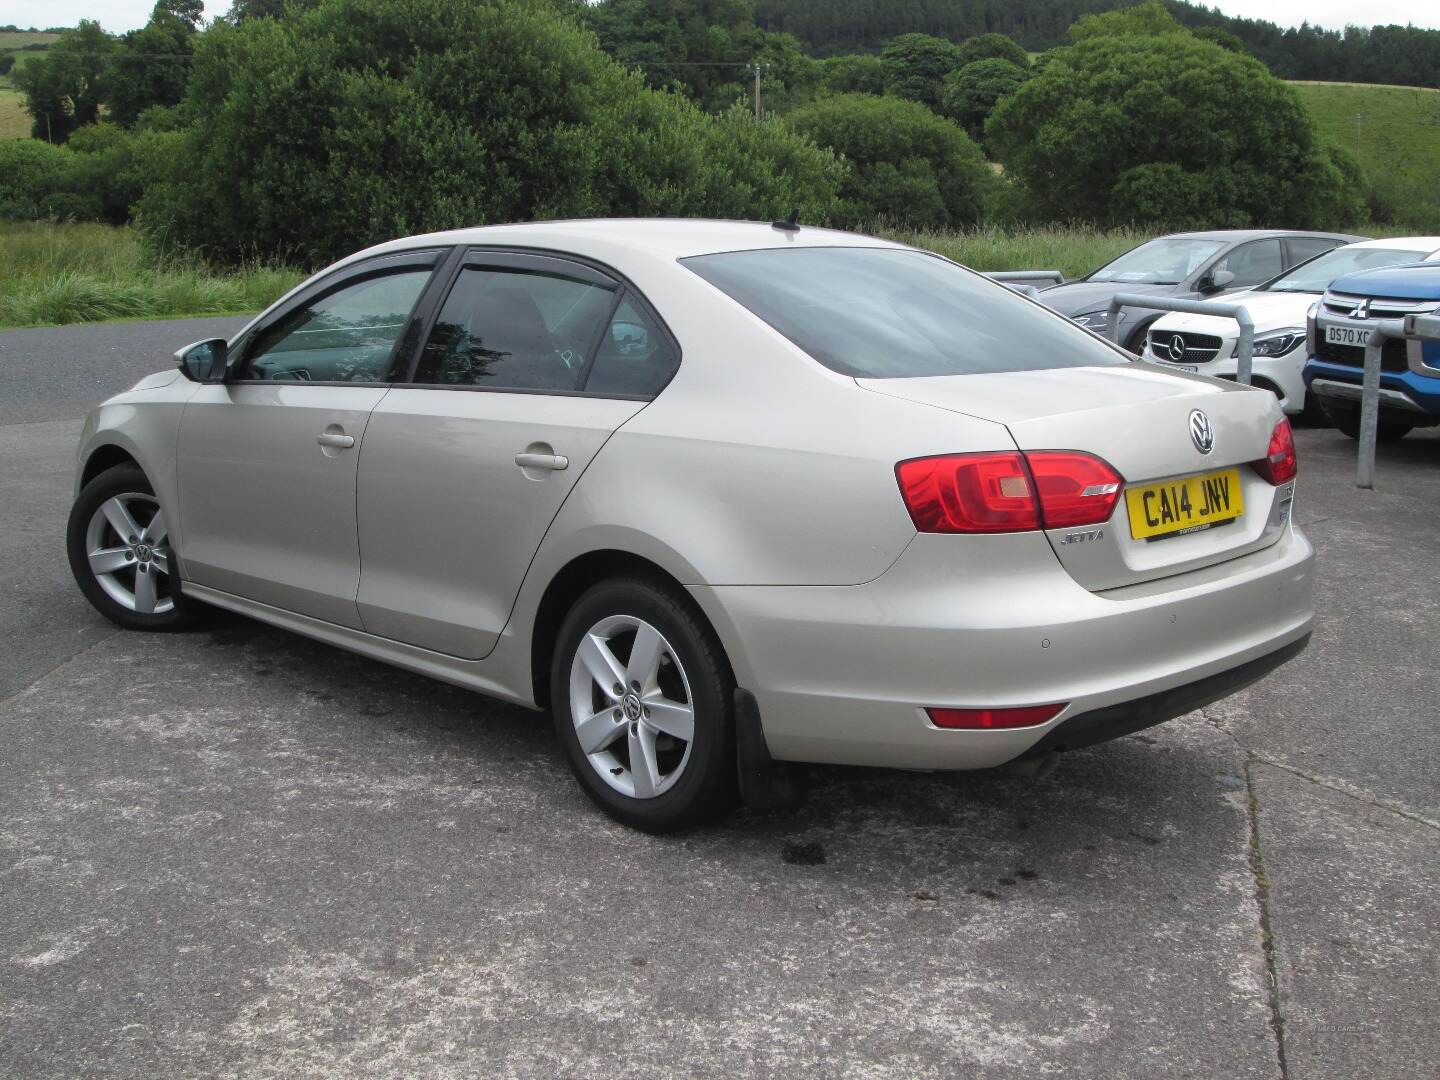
719	495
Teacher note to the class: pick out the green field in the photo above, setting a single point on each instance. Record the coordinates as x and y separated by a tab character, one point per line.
14	120
18	39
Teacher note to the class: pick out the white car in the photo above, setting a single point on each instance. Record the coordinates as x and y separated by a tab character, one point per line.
1206	343
715	494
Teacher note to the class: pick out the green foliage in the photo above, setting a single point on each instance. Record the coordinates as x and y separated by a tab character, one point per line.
64	88
1149	19
361	120
971	92
151	64
77	273
1218	36
915	64
30	172
1073	249
908	166
7	61
1113	127
993	47
854	74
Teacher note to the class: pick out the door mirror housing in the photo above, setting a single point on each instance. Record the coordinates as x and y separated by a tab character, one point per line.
204	361
1217	280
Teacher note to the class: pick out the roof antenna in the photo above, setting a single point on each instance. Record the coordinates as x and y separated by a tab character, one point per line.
789	224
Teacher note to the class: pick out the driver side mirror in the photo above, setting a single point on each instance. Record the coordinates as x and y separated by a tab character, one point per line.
204	361
1217	280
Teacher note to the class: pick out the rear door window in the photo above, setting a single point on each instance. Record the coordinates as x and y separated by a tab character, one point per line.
896	313
507	328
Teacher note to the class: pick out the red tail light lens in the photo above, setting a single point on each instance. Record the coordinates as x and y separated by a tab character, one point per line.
968	493
1279	465
983	719
1075	489
1008	492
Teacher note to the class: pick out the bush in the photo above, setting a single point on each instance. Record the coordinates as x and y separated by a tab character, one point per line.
361	120
908	166
1165	130
992	47
915	64
854	74
30	172
7	61
970	93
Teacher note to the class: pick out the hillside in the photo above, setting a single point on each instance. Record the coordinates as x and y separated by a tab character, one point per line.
1398	131
14	120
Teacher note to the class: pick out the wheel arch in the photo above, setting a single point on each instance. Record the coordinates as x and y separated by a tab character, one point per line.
570	582
106	456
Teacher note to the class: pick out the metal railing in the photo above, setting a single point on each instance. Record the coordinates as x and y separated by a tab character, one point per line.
1026	276
1244	346
1419	328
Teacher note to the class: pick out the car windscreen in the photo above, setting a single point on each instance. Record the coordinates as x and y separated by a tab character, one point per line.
1167	261
886	313
1316	275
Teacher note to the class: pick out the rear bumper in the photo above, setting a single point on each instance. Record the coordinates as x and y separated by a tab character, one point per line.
843	675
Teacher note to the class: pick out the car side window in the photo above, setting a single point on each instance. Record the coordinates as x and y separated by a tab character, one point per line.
515	329
346	335
635	358
1307	247
1253	263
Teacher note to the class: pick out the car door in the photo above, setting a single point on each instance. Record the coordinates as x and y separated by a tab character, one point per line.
267	459
531	364
1299	249
1252	263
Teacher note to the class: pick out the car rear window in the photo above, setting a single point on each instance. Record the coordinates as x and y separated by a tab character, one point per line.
883	313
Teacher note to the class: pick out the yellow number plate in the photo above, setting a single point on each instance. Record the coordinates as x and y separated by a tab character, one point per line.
1185	505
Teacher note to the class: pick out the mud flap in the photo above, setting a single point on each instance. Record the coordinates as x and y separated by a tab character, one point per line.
765	784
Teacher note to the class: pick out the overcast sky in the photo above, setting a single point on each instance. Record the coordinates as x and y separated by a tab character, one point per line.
120	15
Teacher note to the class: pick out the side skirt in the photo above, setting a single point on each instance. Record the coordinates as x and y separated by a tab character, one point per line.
470	674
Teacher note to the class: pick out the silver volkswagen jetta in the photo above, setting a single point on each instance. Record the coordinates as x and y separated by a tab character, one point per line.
719	495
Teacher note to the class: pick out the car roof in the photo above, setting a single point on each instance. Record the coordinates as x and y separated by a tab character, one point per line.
1236	236
666	238
1407	243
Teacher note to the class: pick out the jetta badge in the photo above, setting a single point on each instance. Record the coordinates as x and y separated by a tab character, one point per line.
1201	433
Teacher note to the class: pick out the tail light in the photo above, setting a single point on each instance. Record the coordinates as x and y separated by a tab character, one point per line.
983	719
1008	492
1279	465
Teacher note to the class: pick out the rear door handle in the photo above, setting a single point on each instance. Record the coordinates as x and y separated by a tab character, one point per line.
553	462
340	442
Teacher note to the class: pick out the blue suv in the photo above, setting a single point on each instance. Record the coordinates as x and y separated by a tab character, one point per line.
1409	370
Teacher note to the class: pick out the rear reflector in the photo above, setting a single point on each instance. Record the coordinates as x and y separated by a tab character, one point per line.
1008	492
980	719
1279	465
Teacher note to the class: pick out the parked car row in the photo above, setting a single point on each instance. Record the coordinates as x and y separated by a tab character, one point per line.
1311	319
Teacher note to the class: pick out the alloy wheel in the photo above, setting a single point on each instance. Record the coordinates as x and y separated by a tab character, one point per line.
631	705
127	545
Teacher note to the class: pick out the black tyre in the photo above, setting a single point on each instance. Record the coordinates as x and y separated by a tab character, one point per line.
643	697
1346	417
119	548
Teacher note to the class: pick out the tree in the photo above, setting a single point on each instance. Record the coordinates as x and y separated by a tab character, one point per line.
64	88
151	64
970	93
1217	36
908	166
1112	124
993	47
361	120
7	61
915	64
856	74
1149	19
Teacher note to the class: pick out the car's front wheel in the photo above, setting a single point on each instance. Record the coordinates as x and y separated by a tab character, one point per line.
118	541
642	698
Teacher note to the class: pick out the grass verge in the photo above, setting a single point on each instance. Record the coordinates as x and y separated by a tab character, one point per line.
55	274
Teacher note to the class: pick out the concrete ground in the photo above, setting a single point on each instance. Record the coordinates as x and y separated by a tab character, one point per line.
240	853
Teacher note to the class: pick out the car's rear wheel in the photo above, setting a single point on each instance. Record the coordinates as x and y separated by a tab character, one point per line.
118	542
642	698
1346	417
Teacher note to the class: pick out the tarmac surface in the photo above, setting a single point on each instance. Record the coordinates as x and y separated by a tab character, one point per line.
236	852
